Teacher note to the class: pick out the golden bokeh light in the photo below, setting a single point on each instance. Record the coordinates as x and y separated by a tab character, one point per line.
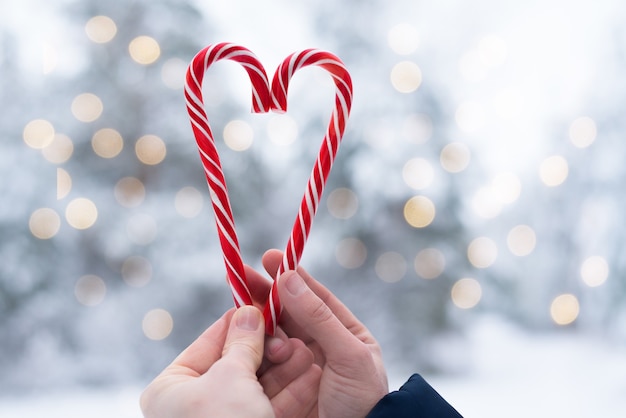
583	132
521	240
64	183
107	143
144	50
157	324
429	263
188	202
466	293
455	157
342	203
238	135
59	150
403	39
470	116
136	271
38	133
90	290
417	128
554	171
282	129
129	192
81	213
419	211
100	29
564	309
150	149
507	187
406	77
390	267
482	252
351	253
141	229
594	271
418	173
44	223
87	107
173	73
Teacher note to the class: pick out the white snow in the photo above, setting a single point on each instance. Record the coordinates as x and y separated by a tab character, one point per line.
514	373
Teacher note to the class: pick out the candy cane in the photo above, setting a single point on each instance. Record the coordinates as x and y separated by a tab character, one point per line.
262	102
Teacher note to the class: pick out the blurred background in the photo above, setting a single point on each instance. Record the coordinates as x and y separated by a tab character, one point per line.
473	218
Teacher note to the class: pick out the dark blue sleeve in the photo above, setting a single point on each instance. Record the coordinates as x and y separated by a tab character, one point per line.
415	399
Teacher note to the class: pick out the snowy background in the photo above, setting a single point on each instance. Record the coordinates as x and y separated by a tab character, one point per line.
473	219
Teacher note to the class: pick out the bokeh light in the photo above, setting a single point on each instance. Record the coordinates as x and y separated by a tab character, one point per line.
144	50
87	107
554	171
564	309
157	324
90	290
583	132
470	116
418	173
403	39
429	263
417	128
594	271
81	213
107	143
188	202
466	293
455	157
141	229
521	240
64	183
485	203
390	267
419	211
150	149
342	203
44	223
282	129
406	77
100	29
136	271
38	133
173	73
482	252
129	192
351	253
238	135
59	150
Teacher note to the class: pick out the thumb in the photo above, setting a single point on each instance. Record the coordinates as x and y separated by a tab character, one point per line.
245	338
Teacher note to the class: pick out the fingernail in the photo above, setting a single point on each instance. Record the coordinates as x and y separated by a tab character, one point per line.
274	344
294	284
248	318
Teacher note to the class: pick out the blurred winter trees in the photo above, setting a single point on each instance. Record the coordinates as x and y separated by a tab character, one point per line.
111	262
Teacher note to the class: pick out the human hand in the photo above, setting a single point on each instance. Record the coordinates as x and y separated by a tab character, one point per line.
217	376
353	376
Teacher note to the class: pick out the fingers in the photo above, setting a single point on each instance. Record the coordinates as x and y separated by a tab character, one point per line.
300	397
205	350
244	341
281	374
314	316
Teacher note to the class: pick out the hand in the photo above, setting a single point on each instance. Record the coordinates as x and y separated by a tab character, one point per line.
353	376
217	374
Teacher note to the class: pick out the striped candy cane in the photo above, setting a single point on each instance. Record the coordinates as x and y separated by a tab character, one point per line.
263	101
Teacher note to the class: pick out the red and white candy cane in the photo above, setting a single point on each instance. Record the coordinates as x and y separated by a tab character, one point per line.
263	100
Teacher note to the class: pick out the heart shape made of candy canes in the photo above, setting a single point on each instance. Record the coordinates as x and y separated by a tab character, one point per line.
264	99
